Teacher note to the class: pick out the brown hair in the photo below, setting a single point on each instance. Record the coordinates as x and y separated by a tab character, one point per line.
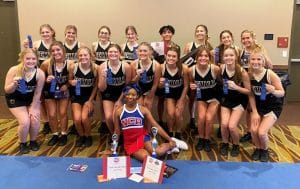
237	78
52	61
207	51
48	27
178	63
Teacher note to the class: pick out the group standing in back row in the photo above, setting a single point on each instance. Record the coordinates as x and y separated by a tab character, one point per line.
224	81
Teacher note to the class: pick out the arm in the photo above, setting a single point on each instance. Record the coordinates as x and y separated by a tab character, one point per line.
116	121
11	80
246	82
275	87
134	75
193	86
102	77
72	81
127	80
157	75
186	49
185	83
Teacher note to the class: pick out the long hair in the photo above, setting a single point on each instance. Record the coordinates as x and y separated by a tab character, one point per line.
20	66
92	65
253	36
49	28
222	46
52	61
133	29
71	27
255	52
208	53
207	43
178	63
237	78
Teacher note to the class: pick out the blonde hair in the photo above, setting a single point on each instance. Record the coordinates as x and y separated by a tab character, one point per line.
92	64
260	52
253	36
51	59
71	27
49	28
20	66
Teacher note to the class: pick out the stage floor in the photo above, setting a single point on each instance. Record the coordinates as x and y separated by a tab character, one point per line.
51	172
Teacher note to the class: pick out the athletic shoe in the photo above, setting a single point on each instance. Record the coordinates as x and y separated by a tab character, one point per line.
207	145
200	144
180	144
173	150
235	150
246	137
46	128
53	140
103	128
224	149
192	123
219	134
88	141
72	130
256	154
264	155
34	146
63	139
80	141
24	148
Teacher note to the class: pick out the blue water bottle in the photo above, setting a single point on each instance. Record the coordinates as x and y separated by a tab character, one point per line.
263	92
77	88
167	86
22	85
198	90
30	45
53	85
109	76
144	76
225	86
217	55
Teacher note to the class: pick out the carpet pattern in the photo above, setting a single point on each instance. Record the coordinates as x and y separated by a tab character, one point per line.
284	145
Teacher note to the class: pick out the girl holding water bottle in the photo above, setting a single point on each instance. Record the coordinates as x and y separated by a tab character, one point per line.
83	82
113	75
267	92
203	79
236	88
23	86
174	79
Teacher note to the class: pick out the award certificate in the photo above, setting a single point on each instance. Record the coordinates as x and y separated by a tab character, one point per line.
153	170
159	47
116	167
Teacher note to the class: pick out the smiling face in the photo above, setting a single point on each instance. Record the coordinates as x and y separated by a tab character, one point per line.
247	39
46	33
84	56
257	61
113	53
200	33
57	52
167	35
131	96
171	57
71	35
230	56
203	58
144	52
131	36
30	60
226	39
104	35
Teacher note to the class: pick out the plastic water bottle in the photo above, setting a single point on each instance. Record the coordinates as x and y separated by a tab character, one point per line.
263	92
53	85
198	91
144	76
225	86
30	45
109	76
77	88
167	86
217	55
22	85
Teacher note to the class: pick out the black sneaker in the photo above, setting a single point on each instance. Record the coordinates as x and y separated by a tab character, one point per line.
264	155
88	141
53	140
224	149
200	144
256	154
24	149
103	128
235	150
219	134
80	141
207	147
46	128
72	130
246	137
63	139
34	146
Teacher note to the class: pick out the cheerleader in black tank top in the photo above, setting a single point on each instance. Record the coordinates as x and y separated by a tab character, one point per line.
23	86
83	94
266	103
176	76
146	74
71	43
130	47
203	80
57	95
113	75
100	47
236	88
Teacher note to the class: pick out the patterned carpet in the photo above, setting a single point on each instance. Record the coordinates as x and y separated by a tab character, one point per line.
284	145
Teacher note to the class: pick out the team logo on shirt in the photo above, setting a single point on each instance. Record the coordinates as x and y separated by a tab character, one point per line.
131	122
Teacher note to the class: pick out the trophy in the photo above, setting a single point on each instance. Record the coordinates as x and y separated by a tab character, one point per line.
263	92
114	145
109	76
29	41
225	86
22	85
154	131
77	88
198	90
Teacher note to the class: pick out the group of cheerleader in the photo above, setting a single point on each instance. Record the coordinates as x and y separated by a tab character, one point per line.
222	82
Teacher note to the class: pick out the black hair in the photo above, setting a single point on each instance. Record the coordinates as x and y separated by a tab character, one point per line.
166	28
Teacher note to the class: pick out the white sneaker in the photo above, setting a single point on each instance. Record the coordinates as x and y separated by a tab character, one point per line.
173	150
180	144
